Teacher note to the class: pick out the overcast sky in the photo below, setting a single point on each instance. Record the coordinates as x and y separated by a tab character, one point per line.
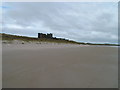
80	21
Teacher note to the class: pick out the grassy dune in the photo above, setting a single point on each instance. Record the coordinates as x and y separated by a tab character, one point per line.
31	39
9	38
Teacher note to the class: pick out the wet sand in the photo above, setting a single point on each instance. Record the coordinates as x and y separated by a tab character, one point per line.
59	66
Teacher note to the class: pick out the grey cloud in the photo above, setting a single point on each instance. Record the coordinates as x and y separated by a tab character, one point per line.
76	21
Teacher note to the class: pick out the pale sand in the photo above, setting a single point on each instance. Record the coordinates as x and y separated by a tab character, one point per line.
59	66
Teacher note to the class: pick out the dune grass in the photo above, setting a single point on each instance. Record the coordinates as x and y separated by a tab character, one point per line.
10	38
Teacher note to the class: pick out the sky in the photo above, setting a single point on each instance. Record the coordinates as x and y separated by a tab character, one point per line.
93	22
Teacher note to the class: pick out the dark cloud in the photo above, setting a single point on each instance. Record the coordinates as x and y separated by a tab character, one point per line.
88	22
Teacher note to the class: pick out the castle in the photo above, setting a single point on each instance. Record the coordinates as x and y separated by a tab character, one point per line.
41	35
49	36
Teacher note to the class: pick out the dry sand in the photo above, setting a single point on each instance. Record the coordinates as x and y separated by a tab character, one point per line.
59	66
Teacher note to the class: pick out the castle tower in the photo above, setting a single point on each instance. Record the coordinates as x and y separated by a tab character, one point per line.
49	35
39	35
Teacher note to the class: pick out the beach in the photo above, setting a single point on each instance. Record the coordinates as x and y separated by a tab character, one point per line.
52	65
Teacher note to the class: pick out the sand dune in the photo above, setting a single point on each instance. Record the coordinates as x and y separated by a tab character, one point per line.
59	66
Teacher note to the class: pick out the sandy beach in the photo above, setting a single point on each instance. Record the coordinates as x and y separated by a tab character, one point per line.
52	65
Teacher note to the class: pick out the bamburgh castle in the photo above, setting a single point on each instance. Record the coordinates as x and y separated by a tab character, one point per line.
48	36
